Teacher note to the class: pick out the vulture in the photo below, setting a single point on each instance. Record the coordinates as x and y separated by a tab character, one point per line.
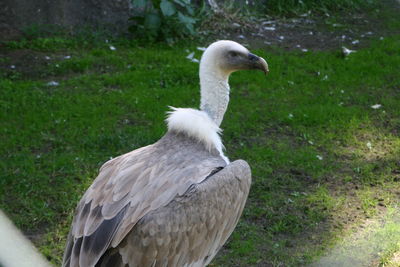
175	202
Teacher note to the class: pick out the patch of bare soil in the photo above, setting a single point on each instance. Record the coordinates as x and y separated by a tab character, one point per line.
308	32
27	62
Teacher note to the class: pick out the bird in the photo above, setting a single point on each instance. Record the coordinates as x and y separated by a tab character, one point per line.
174	202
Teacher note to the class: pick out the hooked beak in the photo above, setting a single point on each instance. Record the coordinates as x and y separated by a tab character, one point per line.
258	63
263	65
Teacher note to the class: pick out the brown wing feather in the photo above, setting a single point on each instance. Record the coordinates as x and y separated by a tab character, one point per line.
191	229
130	186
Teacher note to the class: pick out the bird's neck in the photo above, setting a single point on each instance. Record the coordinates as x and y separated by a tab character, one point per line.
214	92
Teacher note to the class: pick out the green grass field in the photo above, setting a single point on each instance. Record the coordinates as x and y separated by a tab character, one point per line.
323	160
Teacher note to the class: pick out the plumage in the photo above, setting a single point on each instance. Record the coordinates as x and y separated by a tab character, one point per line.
192	220
172	203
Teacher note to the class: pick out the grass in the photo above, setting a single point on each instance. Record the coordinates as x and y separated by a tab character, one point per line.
322	159
373	244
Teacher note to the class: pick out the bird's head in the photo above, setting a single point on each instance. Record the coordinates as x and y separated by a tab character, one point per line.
229	56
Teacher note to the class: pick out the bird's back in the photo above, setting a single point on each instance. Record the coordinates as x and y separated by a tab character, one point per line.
191	229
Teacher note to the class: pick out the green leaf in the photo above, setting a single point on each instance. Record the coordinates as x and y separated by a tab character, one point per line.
139	4
152	21
190	28
190	10
179	2
186	19
167	8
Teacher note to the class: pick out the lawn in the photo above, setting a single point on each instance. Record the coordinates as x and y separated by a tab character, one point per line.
321	133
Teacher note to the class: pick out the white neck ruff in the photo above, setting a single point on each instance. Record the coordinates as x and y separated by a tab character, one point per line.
198	125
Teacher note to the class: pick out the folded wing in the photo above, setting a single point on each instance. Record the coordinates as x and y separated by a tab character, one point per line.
191	229
129	187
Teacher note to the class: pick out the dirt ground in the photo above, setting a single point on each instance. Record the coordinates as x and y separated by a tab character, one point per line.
309	32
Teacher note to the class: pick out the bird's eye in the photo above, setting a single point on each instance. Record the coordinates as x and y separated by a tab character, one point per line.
233	54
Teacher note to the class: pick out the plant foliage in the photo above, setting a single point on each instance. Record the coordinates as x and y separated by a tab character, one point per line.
163	19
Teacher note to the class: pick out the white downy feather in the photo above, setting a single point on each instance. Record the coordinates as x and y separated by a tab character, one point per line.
196	124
